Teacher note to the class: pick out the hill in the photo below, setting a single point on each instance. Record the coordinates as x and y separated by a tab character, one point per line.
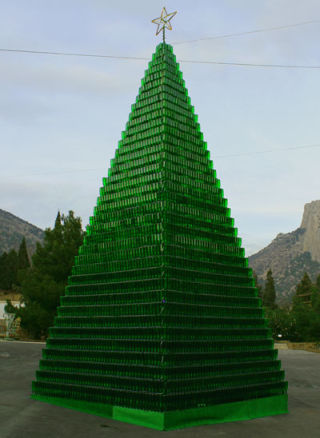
290	255
13	229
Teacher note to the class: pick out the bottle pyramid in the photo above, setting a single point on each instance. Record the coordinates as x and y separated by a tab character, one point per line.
160	324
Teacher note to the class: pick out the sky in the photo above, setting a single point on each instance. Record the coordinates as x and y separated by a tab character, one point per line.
61	117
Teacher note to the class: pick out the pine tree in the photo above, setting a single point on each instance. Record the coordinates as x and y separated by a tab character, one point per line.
43	284
10	264
56	256
23	258
8	270
305	285
3	258
315	297
269	293
258	285
304	289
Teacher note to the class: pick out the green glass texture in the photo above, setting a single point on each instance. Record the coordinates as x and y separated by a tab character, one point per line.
160	318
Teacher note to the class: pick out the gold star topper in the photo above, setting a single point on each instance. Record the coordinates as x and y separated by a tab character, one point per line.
163	22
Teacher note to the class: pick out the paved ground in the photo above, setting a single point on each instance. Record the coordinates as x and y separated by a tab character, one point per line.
21	417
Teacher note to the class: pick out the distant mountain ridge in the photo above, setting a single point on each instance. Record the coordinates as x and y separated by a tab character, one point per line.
290	255
12	231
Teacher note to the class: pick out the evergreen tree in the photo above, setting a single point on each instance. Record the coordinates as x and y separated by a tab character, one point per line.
307	321
56	256
315	301
306	310
10	264
23	259
304	290
315	298
3	258
43	284
8	269
258	285
269	293
305	285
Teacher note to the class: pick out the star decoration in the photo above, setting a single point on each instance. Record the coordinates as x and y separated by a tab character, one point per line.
163	22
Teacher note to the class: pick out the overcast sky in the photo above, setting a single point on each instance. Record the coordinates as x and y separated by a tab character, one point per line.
61	117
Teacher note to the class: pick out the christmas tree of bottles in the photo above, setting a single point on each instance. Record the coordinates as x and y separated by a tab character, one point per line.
160	324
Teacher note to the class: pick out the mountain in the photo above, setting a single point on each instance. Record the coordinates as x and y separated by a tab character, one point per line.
290	255
13	229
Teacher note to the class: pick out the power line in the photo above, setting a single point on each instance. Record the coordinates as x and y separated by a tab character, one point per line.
91	55
249	64
249	32
135	58
268	150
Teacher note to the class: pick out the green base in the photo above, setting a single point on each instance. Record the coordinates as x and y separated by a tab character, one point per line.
236	411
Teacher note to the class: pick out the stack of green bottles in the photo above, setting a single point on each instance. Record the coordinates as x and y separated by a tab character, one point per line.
160	324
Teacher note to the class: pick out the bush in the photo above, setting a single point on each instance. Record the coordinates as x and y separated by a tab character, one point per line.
44	283
282	322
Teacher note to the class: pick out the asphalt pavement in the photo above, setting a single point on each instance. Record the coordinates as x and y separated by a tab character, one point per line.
21	417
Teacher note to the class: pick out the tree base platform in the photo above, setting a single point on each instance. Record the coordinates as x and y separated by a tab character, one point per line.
221	413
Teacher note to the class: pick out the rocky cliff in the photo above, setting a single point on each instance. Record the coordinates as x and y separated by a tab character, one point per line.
311	224
290	255
12	231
